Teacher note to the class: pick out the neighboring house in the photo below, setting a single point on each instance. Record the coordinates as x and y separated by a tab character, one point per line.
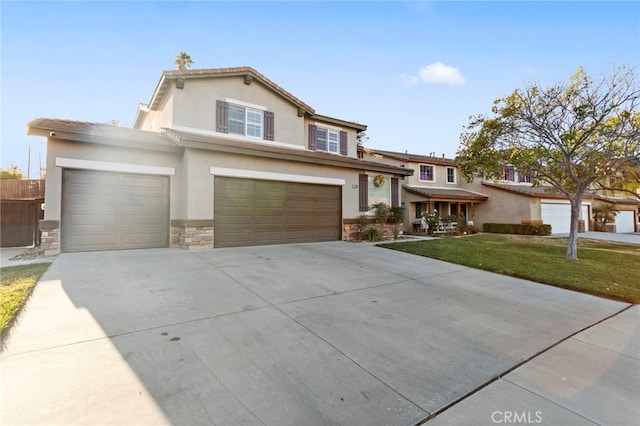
437	184
217	158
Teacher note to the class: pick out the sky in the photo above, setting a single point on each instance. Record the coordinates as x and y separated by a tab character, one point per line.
412	71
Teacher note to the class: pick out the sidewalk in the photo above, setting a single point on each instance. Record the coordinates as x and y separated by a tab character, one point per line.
590	378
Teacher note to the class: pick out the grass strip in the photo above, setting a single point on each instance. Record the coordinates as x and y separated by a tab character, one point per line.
604	269
16	285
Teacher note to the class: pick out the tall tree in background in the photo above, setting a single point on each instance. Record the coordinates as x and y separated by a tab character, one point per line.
573	136
183	61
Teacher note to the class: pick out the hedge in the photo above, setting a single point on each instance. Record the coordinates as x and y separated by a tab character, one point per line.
517	228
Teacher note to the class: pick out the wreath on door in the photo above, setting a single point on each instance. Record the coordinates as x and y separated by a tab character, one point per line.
378	181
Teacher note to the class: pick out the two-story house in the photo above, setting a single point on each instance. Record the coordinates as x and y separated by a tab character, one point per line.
435	185
216	158
510	198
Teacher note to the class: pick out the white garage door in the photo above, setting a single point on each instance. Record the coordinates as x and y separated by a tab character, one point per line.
559	217
624	222
110	211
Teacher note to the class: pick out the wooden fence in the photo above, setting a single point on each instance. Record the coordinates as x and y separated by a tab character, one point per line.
20	212
13	189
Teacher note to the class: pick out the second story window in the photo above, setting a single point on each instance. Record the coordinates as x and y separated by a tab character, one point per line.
427	173
327	139
245	121
451	175
509	173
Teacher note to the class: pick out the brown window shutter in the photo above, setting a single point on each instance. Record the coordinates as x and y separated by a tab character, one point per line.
313	129
222	116
363	189
268	125
343	143
395	193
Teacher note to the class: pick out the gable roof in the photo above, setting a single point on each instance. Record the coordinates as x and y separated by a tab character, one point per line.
408	157
250	74
528	190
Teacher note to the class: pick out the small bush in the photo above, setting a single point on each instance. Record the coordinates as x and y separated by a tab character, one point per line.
517	228
373	234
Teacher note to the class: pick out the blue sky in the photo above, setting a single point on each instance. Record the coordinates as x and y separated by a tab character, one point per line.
412	71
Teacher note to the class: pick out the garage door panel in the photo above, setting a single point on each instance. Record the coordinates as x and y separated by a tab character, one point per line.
625	222
110	211
274	212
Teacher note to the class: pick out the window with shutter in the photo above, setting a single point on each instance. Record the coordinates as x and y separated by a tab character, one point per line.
222	116
395	193
244	121
269	131
313	130
363	190
343	143
329	140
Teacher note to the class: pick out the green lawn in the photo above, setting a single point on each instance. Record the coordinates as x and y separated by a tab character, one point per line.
15	287
604	269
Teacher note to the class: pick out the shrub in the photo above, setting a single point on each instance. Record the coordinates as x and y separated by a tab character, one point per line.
361	226
373	234
517	228
381	212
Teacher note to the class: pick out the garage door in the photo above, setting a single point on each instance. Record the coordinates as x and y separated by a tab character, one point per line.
559	217
111	211
254	212
625	222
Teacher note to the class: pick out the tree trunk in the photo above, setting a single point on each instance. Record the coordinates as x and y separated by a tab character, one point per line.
572	247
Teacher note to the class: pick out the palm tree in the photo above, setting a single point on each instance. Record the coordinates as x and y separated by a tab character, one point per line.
183	61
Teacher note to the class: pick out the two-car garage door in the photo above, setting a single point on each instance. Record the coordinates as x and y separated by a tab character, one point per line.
251	212
109	211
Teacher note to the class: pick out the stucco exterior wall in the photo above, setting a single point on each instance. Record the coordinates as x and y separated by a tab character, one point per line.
162	117
194	106
200	195
504	207
57	148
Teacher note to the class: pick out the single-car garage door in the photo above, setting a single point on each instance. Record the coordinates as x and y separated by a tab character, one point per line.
254	212
559	217
625	221
111	211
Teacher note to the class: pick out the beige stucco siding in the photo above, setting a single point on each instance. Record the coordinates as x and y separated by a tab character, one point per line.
200	197
155	120
504	207
57	148
194	106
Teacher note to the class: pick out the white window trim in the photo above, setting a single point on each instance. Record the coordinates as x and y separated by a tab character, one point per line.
455	175
332	130
245	104
434	172
246	122
284	177
106	166
327	126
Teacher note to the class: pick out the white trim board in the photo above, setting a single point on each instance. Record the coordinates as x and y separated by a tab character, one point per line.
285	177
106	166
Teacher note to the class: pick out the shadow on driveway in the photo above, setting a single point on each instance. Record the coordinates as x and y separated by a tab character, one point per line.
309	334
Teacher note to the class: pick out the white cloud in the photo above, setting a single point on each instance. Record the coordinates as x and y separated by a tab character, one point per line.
439	73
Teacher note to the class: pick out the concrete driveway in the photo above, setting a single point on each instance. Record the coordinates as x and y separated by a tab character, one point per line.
309	334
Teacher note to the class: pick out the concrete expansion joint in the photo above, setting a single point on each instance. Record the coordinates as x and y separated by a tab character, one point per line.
500	376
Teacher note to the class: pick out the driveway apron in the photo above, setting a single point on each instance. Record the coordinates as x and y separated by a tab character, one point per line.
306	334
